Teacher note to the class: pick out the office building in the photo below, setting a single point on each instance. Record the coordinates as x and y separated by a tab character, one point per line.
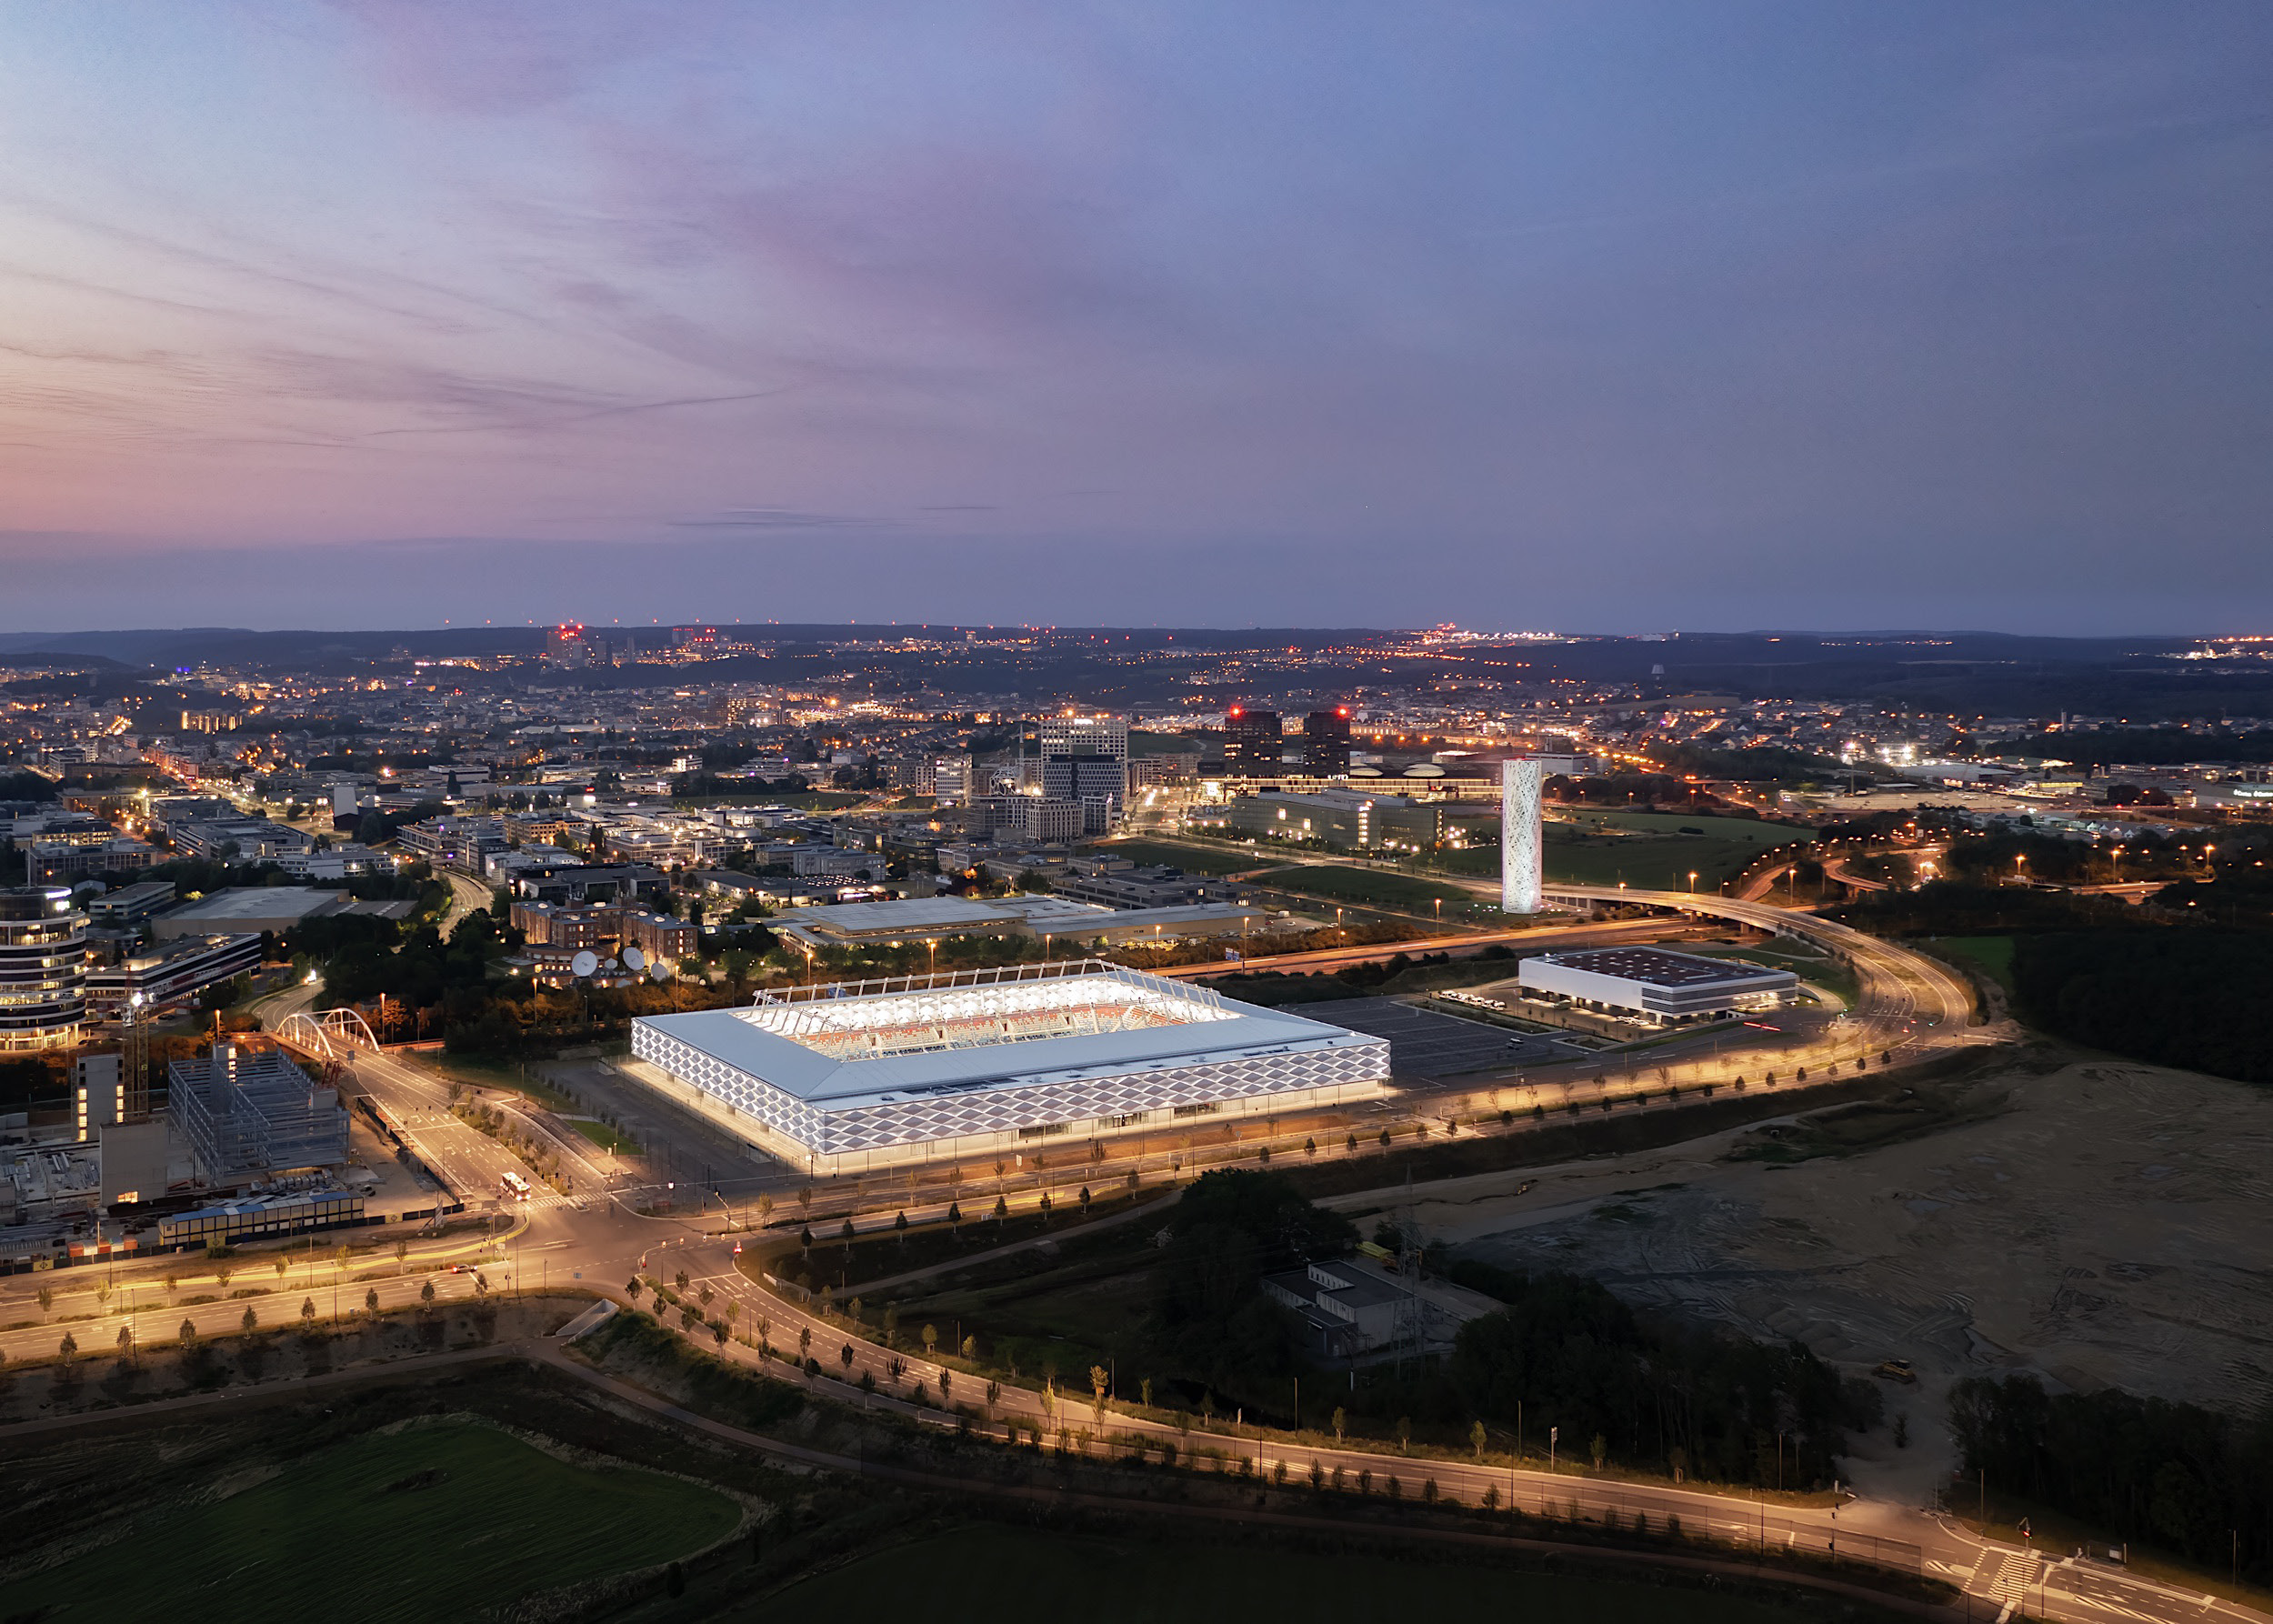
42	969
951	781
1326	743
1348	818
1253	746
170	972
130	905
1084	736
1097	784
50	863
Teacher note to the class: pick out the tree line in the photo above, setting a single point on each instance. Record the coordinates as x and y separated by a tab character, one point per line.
2195	1482
1563	1353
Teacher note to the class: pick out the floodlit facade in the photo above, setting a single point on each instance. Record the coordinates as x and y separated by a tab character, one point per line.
853	1076
1522	855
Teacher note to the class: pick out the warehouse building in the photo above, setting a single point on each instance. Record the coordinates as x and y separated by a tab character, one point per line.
1345	819
853	1076
1656	984
247	910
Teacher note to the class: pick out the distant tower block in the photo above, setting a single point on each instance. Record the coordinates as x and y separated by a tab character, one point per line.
1522	875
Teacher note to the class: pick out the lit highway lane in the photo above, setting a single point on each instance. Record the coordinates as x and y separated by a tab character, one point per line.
470	1162
155	1316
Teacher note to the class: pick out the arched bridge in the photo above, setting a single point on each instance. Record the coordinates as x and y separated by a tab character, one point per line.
333	1033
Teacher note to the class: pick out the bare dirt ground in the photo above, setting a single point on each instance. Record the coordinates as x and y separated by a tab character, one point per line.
2101	1224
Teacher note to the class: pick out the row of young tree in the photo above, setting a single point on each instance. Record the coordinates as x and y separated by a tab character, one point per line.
2192	1481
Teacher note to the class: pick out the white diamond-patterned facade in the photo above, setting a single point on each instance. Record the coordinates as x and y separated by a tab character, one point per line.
1522	858
855	1076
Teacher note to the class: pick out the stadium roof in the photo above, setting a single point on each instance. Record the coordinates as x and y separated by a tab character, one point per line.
1207	1029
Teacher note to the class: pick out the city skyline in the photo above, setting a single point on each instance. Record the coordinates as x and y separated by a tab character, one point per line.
1715	319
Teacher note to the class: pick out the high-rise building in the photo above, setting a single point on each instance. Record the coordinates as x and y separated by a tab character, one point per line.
1085	736
1522	870
1253	743
1326	741
951	779
42	969
1098	783
1085	760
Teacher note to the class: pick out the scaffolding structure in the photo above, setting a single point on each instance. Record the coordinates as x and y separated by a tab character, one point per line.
255	1116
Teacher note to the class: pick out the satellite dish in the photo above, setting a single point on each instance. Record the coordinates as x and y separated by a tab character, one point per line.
658	972
583	965
634	959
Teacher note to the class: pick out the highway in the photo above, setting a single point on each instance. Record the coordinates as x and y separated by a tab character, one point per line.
1546	937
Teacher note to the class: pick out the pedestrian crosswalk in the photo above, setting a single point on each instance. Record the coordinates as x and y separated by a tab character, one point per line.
2004	1576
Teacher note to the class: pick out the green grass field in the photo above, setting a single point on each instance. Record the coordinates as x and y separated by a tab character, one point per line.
488	1074
1991	953
605	1136
430	1523
1372	887
1649	851
985	1571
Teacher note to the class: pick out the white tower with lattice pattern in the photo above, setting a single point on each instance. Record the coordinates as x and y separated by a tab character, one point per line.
1522	869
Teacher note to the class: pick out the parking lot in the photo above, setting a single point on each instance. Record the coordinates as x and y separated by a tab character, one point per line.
1423	1043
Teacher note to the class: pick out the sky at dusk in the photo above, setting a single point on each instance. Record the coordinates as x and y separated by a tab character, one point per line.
1596	317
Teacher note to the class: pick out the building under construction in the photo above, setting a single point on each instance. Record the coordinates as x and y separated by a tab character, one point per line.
253	1115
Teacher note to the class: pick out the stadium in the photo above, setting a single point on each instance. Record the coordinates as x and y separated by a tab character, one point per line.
852	1076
